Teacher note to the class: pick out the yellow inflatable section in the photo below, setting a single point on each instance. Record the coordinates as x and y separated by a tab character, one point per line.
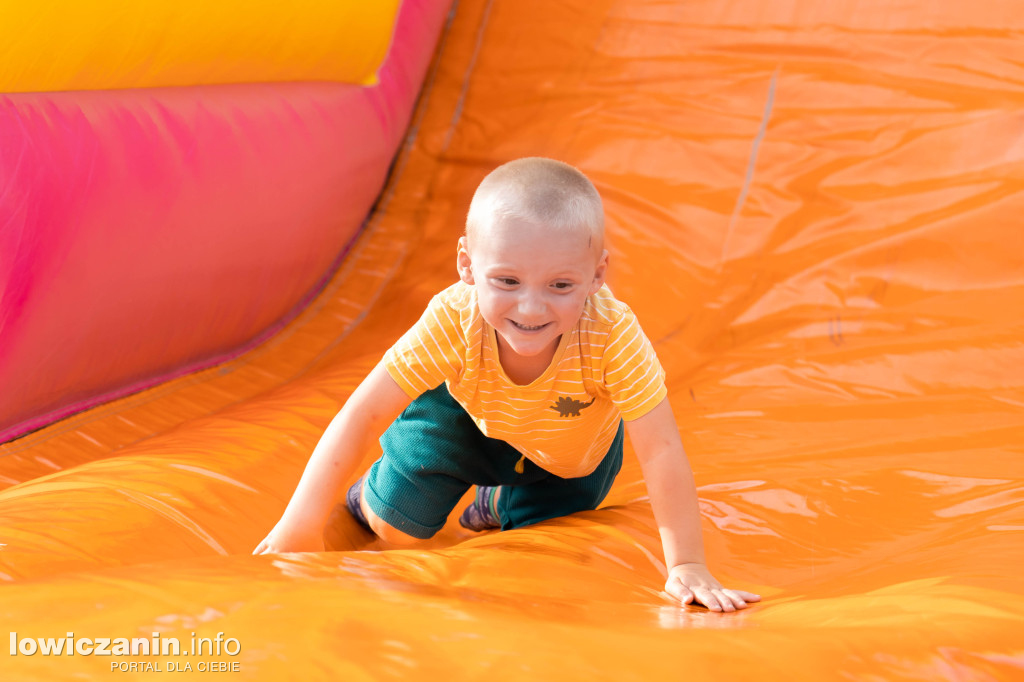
813	209
109	44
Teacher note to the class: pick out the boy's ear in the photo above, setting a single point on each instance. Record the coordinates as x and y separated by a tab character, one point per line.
463	263
600	272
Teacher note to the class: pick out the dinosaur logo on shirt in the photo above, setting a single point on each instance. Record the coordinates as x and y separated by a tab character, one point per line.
570	407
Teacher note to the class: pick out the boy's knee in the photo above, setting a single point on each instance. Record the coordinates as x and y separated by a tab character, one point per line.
383	529
390	534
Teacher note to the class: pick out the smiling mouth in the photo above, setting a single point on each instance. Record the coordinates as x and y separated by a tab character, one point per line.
527	327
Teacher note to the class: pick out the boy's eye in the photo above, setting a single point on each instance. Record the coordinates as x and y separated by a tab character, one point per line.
508	281
562	285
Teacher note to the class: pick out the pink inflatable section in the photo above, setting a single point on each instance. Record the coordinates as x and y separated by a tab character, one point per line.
147	233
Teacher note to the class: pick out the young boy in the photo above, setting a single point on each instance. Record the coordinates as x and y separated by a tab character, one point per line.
517	380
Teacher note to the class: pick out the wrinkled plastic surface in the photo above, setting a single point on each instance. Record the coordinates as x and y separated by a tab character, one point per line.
150	232
813	209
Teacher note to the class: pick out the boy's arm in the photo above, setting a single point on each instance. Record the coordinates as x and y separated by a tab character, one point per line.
371	408
673	494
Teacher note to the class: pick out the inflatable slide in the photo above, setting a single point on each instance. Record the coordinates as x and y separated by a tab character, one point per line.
216	217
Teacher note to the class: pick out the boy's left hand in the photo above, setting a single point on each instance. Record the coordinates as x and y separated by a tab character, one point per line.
694	583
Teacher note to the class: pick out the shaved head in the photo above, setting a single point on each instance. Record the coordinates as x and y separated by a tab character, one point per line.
539	191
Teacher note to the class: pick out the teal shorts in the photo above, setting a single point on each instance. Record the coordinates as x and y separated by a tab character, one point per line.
433	454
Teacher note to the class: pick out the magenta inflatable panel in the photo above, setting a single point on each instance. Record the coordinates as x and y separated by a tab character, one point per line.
148	233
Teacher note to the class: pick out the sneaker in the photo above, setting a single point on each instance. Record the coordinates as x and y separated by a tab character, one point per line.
482	514
352	499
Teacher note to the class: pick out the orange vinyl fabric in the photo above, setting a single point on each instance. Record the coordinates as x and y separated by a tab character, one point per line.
813	209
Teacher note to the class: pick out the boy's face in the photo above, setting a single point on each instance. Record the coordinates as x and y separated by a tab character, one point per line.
531	281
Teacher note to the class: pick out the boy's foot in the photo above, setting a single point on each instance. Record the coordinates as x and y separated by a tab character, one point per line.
482	514
352	499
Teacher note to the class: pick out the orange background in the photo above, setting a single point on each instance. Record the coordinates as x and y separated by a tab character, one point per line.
813	208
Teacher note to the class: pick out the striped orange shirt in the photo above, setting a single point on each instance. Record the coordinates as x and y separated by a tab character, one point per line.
566	419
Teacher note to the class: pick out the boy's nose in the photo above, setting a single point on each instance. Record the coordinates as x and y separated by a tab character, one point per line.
531	304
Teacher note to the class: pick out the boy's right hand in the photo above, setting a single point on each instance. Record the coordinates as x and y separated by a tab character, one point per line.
367	413
282	539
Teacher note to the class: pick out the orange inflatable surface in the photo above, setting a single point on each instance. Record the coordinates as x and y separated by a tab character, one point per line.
813	209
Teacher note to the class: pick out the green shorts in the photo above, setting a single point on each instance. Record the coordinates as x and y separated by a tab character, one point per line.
433	454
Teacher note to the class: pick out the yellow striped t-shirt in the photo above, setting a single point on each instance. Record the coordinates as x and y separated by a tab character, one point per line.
566	419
